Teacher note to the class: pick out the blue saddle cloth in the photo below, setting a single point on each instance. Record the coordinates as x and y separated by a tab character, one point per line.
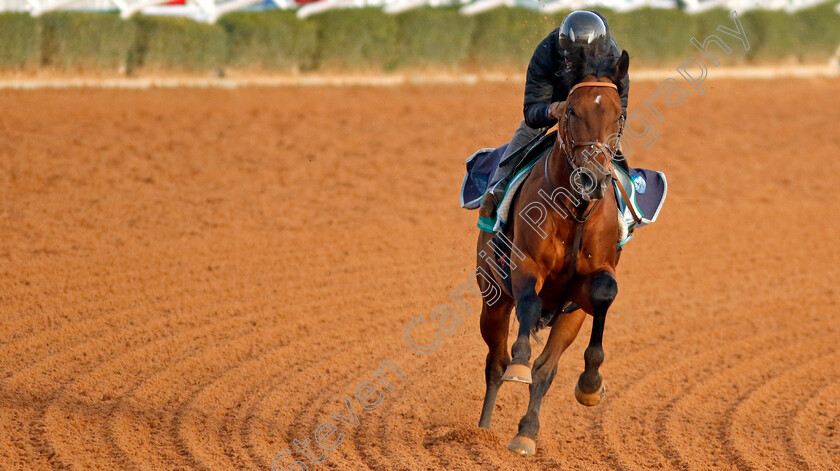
647	190
481	167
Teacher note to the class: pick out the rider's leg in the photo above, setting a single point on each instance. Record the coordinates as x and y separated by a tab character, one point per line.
523	135
619	158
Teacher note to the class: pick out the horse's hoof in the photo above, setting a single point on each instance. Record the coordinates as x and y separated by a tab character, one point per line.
518	373
589	399
523	445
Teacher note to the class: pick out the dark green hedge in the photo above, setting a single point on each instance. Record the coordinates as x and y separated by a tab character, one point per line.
508	36
655	37
772	36
372	39
84	40
806	35
171	43
432	37
358	39
270	40
20	41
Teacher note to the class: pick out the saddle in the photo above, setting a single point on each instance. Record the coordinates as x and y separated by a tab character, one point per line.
482	166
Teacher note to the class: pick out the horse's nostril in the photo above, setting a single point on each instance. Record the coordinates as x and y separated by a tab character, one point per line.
586	181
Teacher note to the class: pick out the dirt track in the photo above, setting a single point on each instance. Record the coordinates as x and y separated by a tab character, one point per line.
193	279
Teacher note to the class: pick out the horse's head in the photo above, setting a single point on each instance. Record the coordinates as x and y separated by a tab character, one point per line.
592	121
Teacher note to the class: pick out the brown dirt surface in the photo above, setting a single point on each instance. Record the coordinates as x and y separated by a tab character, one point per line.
195	279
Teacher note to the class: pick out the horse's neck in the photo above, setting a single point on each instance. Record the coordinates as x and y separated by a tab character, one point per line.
559	181
559	170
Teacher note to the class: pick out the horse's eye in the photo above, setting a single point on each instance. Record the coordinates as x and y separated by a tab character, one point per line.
572	112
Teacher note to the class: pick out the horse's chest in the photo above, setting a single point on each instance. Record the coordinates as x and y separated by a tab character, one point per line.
592	255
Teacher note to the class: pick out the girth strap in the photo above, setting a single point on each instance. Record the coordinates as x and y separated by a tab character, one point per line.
570	260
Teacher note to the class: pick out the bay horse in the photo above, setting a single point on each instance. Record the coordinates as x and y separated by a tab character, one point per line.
567	256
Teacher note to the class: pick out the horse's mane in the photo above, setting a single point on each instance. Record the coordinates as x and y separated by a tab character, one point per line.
582	66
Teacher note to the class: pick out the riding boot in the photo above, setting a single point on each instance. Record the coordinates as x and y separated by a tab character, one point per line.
492	198
620	160
496	191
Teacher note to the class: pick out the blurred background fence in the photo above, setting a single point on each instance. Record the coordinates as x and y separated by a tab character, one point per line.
117	37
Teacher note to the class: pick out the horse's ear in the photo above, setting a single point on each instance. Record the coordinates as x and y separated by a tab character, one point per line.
622	66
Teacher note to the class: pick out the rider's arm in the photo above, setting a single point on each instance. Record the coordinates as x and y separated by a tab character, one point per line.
539	84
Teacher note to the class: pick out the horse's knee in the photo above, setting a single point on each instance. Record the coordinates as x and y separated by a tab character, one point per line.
603	292
528	303
528	309
525	289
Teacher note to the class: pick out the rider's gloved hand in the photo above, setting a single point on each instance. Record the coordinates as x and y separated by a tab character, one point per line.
556	109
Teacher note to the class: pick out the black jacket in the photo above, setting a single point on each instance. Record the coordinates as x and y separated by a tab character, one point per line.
545	84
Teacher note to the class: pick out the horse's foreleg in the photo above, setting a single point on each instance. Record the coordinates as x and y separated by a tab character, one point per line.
562	335
528	310
494	331
590	388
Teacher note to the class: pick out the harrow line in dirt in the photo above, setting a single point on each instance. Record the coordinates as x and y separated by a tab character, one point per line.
815	427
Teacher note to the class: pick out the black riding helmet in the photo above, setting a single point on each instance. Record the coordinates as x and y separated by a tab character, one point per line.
585	30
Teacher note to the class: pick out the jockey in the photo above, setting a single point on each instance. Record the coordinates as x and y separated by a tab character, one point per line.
545	85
